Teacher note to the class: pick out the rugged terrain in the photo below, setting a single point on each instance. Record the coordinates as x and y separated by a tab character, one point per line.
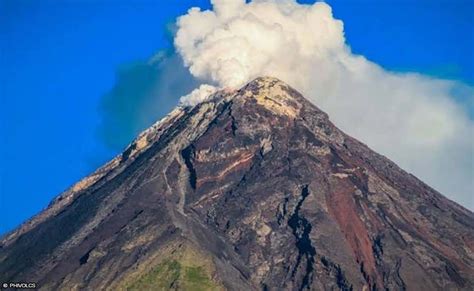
254	189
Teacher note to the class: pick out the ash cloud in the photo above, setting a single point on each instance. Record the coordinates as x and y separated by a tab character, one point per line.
411	118
143	93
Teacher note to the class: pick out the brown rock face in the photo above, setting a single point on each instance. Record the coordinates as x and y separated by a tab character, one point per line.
264	192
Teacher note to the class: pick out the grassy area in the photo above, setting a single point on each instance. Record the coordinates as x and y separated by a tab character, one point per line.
162	277
195	278
183	272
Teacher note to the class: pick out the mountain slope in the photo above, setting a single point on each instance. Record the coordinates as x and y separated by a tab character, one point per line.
255	189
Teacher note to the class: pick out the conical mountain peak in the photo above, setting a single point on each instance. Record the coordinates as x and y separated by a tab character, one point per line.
254	189
273	94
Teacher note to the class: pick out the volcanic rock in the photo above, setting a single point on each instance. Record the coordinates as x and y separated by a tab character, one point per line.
254	189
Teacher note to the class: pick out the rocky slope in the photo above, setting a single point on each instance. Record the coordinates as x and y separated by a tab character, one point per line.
253	190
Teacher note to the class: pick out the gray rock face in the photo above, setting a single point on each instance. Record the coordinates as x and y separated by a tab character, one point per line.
264	192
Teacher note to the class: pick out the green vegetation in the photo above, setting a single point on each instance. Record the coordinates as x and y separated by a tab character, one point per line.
197	279
162	277
173	275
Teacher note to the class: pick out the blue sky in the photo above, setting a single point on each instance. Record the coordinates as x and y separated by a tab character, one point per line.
63	61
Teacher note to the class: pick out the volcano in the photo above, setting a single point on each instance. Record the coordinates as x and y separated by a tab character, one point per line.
253	189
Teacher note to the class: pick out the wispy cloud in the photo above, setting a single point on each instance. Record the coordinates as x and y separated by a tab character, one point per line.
144	92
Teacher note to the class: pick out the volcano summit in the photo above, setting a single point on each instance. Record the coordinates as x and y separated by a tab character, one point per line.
254	189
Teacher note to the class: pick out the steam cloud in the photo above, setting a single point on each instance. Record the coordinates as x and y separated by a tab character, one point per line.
411	118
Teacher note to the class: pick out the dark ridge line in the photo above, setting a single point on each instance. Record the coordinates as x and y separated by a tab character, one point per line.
301	229
341	279
233	122
85	257
188	155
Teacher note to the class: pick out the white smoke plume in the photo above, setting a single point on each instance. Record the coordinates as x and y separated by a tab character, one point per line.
198	95
411	118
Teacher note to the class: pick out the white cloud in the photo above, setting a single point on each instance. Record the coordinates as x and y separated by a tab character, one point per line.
411	118
198	95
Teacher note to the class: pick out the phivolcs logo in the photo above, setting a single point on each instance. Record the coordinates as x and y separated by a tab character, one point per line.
19	285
